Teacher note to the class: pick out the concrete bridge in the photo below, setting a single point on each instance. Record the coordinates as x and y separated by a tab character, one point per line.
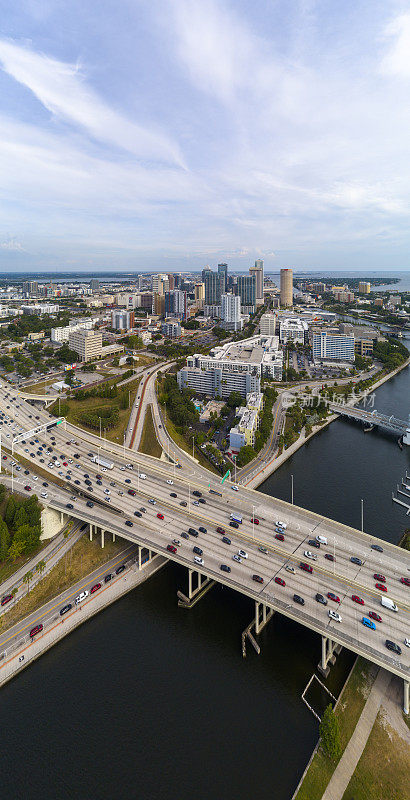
374	419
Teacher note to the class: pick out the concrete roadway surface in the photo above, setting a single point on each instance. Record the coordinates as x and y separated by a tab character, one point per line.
342	577
51	555
19	634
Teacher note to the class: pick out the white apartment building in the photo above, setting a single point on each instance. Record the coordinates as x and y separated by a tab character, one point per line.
41	309
60	335
244	432
88	344
231	312
268	324
293	330
259	355
217	382
332	346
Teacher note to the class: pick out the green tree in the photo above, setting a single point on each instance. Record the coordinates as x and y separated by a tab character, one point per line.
330	734
20	518
10	511
27	579
16	549
4	540
40	567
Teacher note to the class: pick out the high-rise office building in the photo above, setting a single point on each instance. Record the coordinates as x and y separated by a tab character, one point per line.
94	285
205	271
286	287
160	283
364	287
171	281
246	289
214	281
223	271
231	311
30	288
257	271
199	290
176	304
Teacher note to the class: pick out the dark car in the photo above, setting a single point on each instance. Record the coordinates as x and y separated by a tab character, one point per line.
107	578
64	609
298	599
120	569
131	492
77	482
69	505
233	524
320	599
305	567
329	557
257	578
378	577
143	509
127	480
27	472
197	493
197	550
334	597
45	483
376	617
137	514
184	535
99	483
225	568
314	543
6	599
183	503
376	547
90	504
220	530
192	531
393	646
202	500
129	523
171	548
202	529
173	494
88	482
356	560
36	630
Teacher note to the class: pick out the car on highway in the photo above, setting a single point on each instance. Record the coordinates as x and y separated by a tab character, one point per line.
406	581
334	615
381	587
378	577
368	623
202	529
407	642
235	488
65	609
160	516
376	547
171	548
233	524
137	514
132	492
263	549
81	597
313	543
69	505
280	581
89	504
184	535
290	568
357	599
257	578
393	646
107	578
152	501
28	488
143	509
329	557
242	553
44	494
309	554
177	543
356	560
36	630
95	588
298	599
173	494
225	568
129	523
120	569
334	597
281	524
237	558
6	599
255	520
375	616
305	567
320	599
183	503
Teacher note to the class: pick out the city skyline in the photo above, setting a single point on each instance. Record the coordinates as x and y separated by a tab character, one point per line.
189	132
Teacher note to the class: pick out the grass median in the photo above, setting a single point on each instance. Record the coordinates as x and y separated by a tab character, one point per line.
83	558
149	443
348	711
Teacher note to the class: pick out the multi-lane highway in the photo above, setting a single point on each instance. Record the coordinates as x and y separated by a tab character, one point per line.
153	503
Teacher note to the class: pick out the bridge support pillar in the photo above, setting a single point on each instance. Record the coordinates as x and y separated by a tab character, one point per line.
91	532
262	616
406	685
102	538
323	667
194	592
113	537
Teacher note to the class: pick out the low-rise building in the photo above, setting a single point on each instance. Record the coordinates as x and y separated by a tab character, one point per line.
171	328
41	309
293	330
244	432
62	334
87	343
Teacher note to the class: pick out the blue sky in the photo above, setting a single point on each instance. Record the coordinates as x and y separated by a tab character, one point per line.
174	133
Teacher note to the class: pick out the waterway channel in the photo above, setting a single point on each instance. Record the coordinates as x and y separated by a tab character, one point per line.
150	701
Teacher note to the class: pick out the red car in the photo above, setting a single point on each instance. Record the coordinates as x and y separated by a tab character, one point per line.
28	488
379	577
333	596
406	581
95	588
280	536
373	615
65	464
4	458
280	581
6	599
357	599
220	530
160	516
257	578
306	567
381	586
171	548
255	520
36	630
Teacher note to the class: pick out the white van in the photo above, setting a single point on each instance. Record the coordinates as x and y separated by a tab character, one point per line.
143	476
321	539
199	560
281	524
81	597
387	603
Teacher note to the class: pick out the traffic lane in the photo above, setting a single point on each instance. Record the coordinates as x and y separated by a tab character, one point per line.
24	626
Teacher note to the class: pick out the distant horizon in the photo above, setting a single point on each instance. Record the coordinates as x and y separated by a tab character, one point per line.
348	272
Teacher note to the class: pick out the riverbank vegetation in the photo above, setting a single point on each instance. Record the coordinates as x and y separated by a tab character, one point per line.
248	453
20	527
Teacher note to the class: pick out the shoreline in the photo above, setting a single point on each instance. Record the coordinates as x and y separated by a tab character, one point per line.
268	470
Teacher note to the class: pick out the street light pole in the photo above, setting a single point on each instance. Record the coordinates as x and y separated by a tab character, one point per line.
361	504
292	489
253	521
193	441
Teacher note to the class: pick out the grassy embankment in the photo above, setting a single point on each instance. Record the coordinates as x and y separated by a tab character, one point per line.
348	711
83	558
8	568
77	407
149	443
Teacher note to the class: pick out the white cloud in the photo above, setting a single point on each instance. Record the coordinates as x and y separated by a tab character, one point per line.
397	60
11	243
62	89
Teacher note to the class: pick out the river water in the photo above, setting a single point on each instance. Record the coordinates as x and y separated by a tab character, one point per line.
150	701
